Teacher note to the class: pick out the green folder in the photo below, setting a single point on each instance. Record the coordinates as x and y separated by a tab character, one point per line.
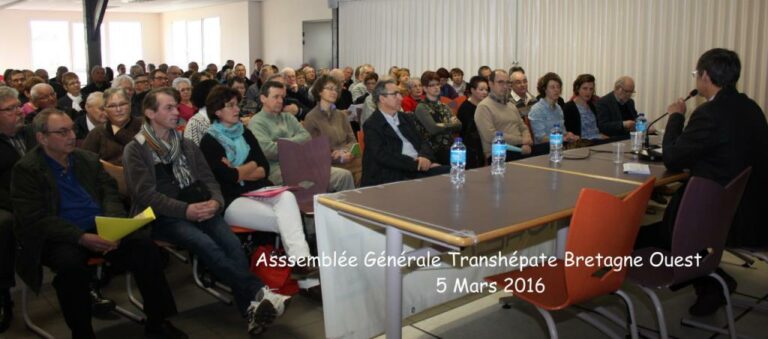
355	150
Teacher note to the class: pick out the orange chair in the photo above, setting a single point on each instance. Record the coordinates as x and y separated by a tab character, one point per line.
601	224
456	103
361	141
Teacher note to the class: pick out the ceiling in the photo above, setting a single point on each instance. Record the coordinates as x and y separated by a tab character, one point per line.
142	6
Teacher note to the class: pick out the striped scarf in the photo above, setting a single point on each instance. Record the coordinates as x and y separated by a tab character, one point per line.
169	153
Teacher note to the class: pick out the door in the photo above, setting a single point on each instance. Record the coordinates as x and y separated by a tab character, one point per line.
317	43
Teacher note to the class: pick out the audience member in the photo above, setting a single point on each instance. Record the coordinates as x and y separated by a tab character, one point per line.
579	112
520	95
436	123
72	102
478	90
109	139
94	116
198	125
546	113
457	81
98	81
186	108
414	97
616	112
446	90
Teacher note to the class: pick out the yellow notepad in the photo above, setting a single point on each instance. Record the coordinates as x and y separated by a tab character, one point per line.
114	229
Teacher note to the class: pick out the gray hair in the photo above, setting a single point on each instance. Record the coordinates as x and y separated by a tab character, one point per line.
287	70
179	80
136	70
621	81
40	122
93	97
411	82
112	91
8	92
380	88
34	92
119	80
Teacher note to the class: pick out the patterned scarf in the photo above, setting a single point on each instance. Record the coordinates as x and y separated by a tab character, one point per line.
169	153
504	100
231	138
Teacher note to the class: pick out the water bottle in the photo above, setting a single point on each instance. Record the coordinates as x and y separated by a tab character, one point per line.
458	162
498	154
556	144
641	123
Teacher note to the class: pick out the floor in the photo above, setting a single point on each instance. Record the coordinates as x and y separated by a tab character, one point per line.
478	316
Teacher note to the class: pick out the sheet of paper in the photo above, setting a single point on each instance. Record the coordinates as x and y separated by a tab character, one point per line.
114	229
635	168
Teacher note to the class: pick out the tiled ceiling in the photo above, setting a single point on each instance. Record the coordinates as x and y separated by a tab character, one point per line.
143	6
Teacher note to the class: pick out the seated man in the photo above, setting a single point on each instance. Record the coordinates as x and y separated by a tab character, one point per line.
393	149
616	112
57	191
170	174
272	123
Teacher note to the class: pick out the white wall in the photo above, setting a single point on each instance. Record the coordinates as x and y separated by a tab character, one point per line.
282	28
235	40
16	39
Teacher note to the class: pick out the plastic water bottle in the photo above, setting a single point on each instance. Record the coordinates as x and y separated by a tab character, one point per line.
458	162
498	154
641	123
556	144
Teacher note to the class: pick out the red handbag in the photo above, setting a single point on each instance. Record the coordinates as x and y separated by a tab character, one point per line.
266	264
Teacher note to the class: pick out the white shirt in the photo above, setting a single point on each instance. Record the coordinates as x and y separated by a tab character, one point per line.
90	125
76	100
408	148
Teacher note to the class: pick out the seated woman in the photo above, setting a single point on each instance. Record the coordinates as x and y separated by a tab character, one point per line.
446	90
326	120
415	95
239	165
109	139
403	75
186	108
478	90
169	173
546	113
435	118
579	112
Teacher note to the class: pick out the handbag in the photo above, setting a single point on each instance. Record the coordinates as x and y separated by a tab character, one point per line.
195	192
266	264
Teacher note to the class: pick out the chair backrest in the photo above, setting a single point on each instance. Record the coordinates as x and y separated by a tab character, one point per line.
456	103
361	141
703	220
307	165
602	224
116	172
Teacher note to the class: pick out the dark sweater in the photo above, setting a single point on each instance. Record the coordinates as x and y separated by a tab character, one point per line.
227	176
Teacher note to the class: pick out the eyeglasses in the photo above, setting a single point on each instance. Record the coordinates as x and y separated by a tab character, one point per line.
141	81
503	83
519	82
628	91
331	88
695	73
121	105
161	78
63	132
11	108
391	93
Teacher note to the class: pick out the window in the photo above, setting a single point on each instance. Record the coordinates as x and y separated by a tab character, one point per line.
50	45
196	40
124	43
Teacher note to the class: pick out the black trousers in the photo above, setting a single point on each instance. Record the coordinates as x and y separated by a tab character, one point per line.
137	253
7	250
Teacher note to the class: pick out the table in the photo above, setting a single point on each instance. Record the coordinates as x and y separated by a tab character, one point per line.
432	210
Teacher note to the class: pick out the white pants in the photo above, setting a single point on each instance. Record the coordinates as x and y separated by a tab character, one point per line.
278	214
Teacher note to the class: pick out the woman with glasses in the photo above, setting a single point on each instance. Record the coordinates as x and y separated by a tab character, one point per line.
186	108
326	120
435	120
547	112
109	139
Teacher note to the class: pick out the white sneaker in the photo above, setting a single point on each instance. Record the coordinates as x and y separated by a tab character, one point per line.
264	308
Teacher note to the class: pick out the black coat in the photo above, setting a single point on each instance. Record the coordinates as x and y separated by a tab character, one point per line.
383	160
572	116
608	114
723	137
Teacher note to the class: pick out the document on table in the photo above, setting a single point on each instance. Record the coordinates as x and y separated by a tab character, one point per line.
635	168
114	229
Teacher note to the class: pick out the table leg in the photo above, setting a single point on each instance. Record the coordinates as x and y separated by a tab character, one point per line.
394	285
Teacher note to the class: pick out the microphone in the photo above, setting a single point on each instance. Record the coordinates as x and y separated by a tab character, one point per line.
647	145
693	93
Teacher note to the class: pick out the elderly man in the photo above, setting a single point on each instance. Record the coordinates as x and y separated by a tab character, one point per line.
136	70
358	88
296	94
15	141
520	95
98	81
345	96
170	174
497	113
72	102
241	73
616	112
42	96
57	192
723	137
394	150
94	115
272	124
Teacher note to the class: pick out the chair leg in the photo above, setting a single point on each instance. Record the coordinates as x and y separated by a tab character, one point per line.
659	310
748	262
728	313
551	327
630	313
216	294
27	320
586	317
131	297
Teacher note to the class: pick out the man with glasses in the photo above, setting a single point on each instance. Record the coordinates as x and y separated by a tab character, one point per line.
158	79
497	113
42	96
616	112
173	73
57	191
98	82
394	151
522	98
15	140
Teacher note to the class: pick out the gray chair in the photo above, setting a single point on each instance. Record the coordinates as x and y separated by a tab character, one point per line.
703	220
